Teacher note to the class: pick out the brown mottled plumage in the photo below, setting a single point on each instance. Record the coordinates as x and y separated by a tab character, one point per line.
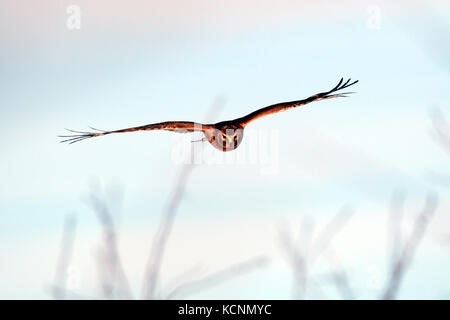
225	135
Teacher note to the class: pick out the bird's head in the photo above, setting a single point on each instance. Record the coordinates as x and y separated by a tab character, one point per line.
225	136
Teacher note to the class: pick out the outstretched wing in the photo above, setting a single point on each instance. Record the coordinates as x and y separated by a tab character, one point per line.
178	126
279	107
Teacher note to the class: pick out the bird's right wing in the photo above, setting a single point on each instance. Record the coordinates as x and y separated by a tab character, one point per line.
283	106
177	126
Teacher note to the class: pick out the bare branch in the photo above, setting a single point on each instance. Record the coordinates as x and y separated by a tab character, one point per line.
115	282
296	252
217	278
339	275
324	239
441	128
163	233
301	261
410	248
394	225
66	249
68	294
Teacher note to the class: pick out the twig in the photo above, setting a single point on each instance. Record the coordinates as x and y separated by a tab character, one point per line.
409	250
441	128
297	258
217	278
115	282
324	239
339	275
66	249
394	225
163	233
69	294
300	262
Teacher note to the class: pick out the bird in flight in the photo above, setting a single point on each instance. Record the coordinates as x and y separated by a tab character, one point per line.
224	135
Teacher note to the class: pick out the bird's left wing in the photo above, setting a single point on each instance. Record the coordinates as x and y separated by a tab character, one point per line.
279	107
177	126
